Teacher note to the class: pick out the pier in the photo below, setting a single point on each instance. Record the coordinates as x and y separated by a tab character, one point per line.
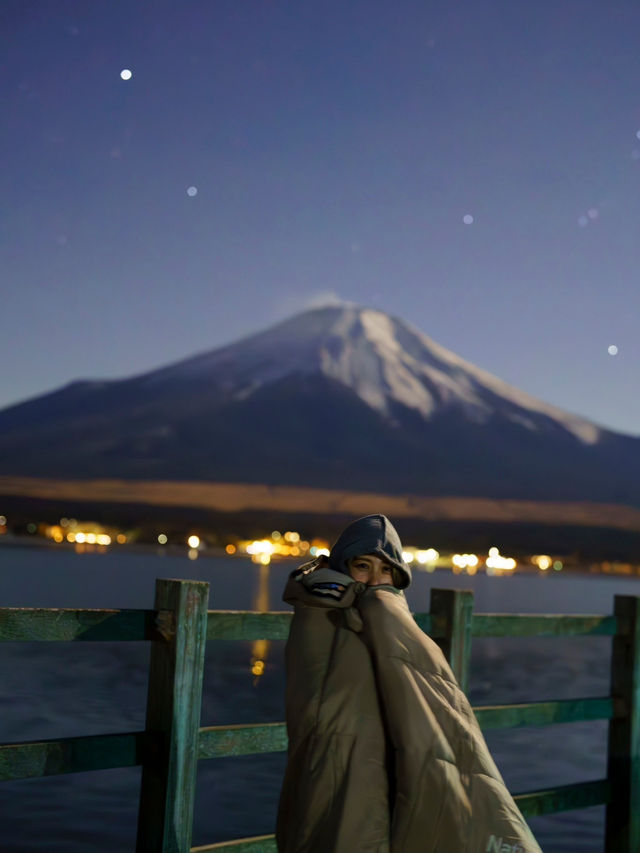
180	626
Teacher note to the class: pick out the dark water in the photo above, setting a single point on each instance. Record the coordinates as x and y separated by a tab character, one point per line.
66	689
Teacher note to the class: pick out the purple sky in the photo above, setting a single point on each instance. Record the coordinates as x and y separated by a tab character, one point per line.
336	148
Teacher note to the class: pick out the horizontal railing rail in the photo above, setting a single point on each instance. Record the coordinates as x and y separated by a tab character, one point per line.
541	625
104	752
564	798
40	624
34	624
70	755
545	713
248	625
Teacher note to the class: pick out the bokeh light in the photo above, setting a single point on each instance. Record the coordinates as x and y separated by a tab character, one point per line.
467	219
126	74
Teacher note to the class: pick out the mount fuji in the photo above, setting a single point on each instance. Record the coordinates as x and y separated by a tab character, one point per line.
340	397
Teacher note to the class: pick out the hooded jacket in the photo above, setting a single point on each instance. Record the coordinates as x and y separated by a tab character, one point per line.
373	534
385	753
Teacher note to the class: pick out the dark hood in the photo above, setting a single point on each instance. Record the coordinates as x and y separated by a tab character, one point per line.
372	534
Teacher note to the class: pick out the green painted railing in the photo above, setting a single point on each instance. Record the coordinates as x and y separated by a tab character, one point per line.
173	741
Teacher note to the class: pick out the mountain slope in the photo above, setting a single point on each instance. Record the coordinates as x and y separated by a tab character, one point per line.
338	397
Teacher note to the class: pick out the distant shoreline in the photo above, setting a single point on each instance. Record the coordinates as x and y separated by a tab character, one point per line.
10	540
27	541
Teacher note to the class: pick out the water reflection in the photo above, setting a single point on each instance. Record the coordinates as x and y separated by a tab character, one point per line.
260	648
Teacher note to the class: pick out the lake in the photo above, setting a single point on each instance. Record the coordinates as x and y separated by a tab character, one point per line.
59	690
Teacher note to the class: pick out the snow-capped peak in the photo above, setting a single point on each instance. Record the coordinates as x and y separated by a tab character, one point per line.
384	360
372	362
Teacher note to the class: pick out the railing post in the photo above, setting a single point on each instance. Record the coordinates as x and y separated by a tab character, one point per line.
454	608
622	833
174	698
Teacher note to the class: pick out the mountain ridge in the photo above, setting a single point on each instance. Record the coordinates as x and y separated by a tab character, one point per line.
335	396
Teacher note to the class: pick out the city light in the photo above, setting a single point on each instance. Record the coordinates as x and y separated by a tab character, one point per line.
288	545
86	533
496	561
262	546
428	556
90	536
463	561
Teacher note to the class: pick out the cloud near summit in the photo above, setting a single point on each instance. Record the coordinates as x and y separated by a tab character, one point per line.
297	303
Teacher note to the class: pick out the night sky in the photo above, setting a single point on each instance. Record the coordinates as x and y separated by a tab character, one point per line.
265	157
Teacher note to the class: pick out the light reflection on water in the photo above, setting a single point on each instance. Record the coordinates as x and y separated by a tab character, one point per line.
260	648
59	690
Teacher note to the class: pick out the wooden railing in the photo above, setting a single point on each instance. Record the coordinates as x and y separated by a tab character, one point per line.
173	741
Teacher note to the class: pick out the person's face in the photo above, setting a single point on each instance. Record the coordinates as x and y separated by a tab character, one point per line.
370	569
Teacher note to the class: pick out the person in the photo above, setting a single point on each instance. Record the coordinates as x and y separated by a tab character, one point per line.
385	753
